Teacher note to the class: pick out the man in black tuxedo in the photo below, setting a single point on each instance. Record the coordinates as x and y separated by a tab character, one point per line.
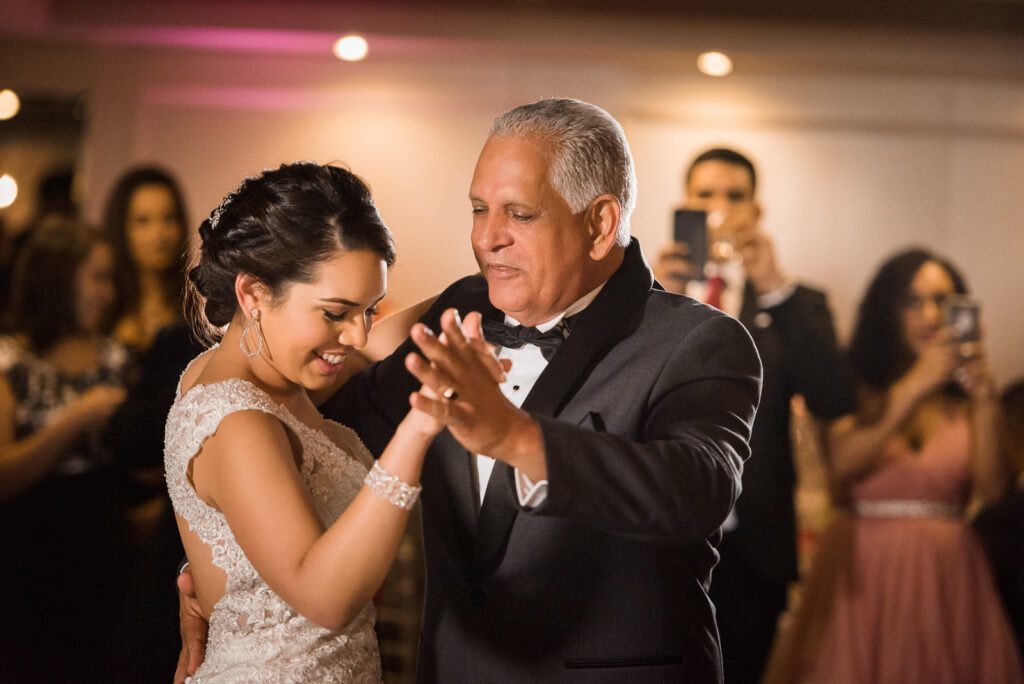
792	327
570	516
588	556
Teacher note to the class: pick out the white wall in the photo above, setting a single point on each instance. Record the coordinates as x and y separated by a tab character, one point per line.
855	163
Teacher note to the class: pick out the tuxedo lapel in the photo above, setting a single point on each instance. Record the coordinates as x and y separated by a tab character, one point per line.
453	463
613	315
499	506
497	513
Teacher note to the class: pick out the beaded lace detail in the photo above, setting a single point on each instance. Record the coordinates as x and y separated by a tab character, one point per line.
254	635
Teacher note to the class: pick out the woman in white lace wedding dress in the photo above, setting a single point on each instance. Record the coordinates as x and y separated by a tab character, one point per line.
254	634
288	524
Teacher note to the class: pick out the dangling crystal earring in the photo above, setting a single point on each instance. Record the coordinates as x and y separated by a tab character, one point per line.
254	323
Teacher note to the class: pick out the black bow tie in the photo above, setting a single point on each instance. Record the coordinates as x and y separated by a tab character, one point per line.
514	337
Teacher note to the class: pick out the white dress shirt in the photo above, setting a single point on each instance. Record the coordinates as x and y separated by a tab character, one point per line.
527	365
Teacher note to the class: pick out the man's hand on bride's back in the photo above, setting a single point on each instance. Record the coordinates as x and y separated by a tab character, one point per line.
193	626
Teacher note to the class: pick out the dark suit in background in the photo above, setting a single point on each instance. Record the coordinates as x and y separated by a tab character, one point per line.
797	344
645	412
792	328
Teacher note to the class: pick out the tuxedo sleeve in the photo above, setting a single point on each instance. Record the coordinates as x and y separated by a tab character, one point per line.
675	480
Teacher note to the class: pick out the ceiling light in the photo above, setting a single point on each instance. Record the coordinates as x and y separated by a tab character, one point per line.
714	64
351	48
8	191
9	104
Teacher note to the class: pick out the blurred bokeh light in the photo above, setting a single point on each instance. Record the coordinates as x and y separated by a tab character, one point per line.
351	48
9	104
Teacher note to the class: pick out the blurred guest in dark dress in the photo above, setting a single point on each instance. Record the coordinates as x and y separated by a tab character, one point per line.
147	637
61	496
146	219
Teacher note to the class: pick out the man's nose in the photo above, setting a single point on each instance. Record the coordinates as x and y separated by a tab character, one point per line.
489	232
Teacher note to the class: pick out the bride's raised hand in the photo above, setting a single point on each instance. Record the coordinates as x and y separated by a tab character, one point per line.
473	406
423	423
472	340
473	329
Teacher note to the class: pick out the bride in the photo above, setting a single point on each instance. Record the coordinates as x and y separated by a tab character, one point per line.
288	524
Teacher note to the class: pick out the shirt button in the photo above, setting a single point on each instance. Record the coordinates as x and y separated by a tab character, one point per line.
477	597
515	388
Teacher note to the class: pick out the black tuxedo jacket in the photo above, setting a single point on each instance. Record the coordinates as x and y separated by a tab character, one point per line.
797	344
646	413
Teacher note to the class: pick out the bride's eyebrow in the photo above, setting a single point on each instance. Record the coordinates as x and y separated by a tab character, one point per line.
345	302
338	300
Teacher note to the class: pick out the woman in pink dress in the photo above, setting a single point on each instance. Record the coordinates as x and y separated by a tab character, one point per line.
901	591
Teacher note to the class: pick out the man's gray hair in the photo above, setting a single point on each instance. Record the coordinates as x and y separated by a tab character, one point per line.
589	153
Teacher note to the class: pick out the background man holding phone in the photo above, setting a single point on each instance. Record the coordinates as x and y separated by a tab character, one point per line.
792	328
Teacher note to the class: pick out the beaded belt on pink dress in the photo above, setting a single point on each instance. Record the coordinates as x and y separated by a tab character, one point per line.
905	508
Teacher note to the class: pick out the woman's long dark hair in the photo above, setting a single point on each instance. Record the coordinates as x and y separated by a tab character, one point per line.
878	353
116	225
43	293
279	227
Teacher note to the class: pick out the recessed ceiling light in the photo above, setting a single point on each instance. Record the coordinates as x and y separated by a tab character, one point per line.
351	48
714	64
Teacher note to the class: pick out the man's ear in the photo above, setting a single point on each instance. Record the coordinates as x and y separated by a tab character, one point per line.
251	293
602	218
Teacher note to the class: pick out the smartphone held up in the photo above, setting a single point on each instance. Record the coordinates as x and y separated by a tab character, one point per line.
963	314
689	226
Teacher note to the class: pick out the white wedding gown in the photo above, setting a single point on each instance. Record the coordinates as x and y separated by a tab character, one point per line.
254	635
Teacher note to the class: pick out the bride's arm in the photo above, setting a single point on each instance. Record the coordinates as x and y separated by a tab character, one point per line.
384	338
247	470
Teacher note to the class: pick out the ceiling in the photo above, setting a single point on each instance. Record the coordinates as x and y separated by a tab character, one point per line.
996	16
976	15
951	37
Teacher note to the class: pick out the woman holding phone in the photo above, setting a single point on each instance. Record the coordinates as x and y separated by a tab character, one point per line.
901	591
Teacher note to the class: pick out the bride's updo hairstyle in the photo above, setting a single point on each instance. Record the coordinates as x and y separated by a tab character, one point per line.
279	227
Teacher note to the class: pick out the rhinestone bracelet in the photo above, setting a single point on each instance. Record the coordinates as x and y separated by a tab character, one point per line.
391	489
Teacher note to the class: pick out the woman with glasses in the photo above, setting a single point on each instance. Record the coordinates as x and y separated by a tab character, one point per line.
901	591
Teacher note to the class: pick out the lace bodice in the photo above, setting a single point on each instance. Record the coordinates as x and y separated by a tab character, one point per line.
254	635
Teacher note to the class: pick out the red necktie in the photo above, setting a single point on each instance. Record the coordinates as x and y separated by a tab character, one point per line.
713	293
